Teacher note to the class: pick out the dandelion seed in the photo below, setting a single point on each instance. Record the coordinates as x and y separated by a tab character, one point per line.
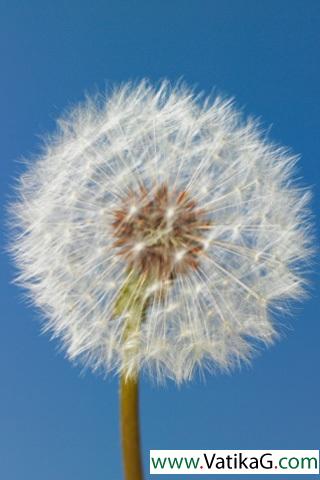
184	193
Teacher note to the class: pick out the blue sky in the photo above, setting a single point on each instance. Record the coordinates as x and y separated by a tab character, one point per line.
56	423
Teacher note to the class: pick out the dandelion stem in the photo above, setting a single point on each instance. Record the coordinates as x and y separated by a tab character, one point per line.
130	431
132	303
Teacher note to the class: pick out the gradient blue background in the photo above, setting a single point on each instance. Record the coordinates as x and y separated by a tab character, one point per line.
56	424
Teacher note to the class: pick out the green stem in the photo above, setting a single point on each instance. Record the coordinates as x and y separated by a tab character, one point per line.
132	303
130	432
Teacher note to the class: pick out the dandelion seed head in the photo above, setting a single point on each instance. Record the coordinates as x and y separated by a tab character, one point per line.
183	193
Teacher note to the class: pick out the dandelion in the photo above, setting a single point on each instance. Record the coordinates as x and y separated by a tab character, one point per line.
159	232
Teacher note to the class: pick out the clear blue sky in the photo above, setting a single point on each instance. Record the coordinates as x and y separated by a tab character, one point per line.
55	423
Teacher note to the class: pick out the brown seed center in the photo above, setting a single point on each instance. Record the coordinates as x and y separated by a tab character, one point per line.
160	233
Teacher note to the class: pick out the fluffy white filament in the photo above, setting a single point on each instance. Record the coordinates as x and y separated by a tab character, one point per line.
253	250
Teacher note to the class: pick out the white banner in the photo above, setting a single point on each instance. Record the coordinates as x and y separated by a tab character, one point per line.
237	462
